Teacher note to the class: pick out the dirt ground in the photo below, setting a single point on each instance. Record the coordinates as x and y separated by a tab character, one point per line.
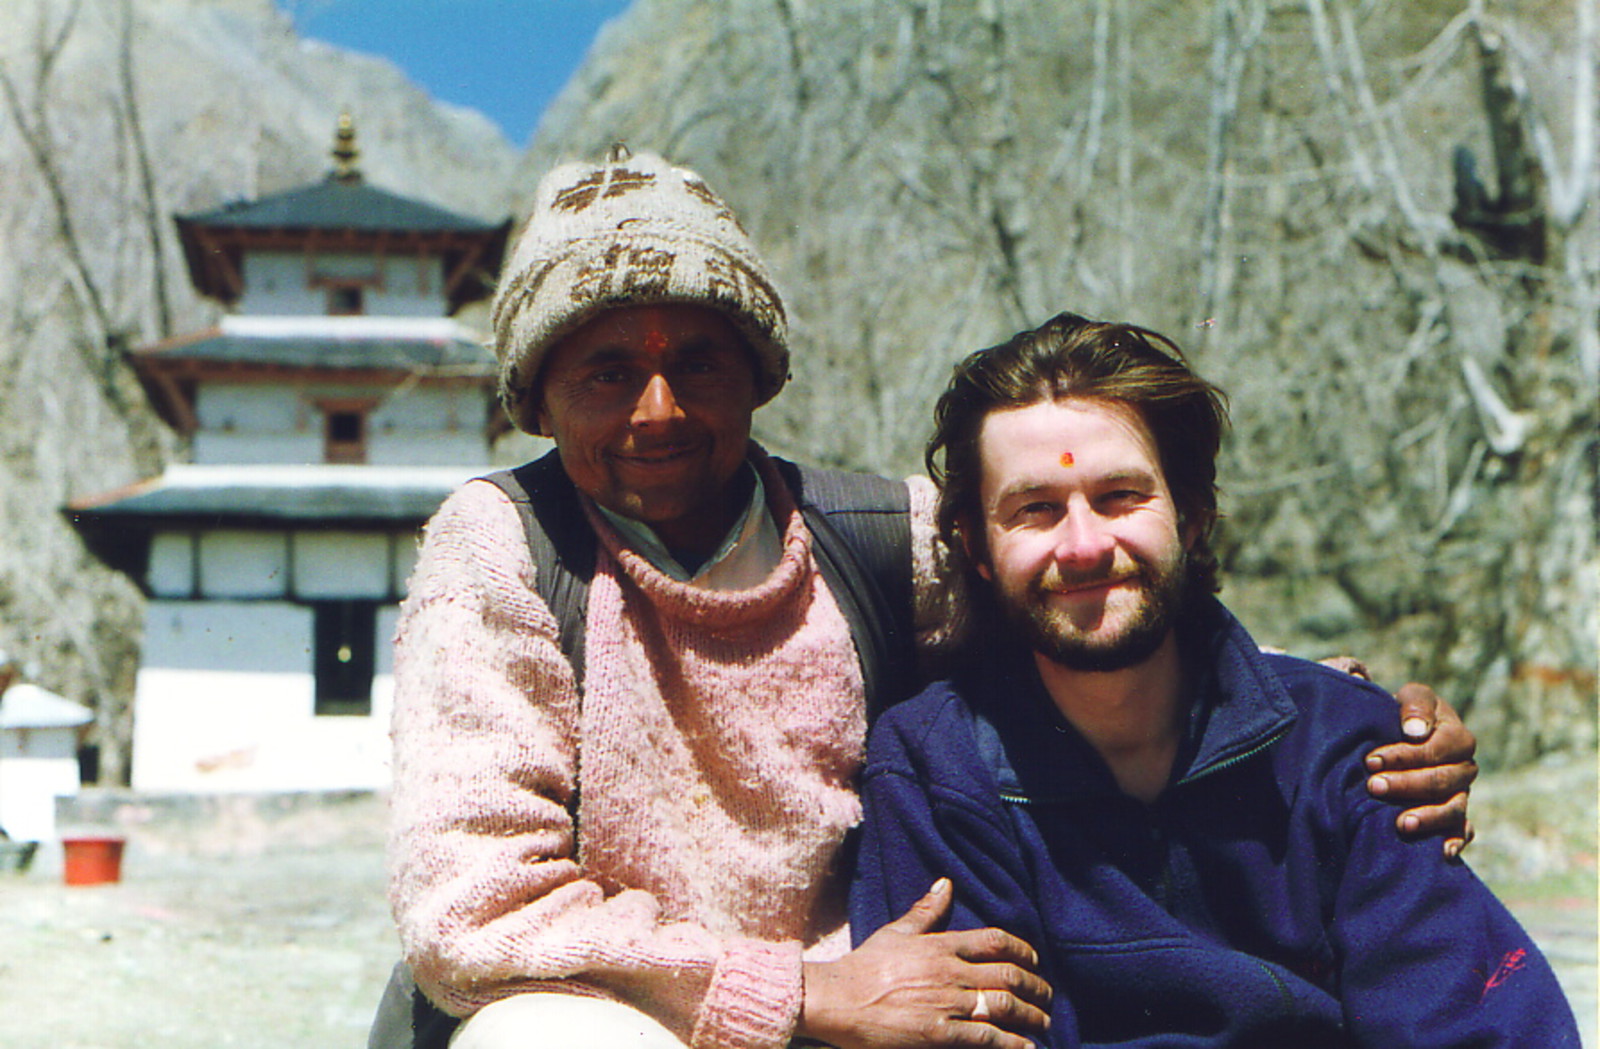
244	933
264	934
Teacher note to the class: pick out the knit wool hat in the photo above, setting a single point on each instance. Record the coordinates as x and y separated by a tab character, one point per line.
632	231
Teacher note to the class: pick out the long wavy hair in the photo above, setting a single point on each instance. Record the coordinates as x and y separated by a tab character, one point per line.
1072	357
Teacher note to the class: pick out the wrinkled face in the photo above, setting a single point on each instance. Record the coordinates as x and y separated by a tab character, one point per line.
1081	532
650	409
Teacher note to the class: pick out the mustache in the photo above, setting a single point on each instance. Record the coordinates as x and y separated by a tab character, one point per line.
1055	577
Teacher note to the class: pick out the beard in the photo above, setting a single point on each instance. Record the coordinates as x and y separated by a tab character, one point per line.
1051	632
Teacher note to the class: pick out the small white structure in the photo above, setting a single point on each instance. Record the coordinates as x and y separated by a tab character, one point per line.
38	759
327	418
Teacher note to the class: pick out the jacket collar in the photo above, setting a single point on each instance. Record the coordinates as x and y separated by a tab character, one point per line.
1237	706
1240	705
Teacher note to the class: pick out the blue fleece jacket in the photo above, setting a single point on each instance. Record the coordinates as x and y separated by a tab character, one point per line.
1264	899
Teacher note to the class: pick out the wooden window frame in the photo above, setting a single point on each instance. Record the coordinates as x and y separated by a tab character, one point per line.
346	450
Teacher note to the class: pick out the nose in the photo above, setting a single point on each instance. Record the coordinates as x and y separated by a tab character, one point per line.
1082	539
657	404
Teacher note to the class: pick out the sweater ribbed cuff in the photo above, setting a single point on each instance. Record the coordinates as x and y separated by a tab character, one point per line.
754	998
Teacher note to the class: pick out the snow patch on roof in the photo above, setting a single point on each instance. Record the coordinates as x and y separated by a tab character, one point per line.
301	327
29	706
316	475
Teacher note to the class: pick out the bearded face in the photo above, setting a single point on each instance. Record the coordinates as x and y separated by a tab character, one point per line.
1081	537
1134	615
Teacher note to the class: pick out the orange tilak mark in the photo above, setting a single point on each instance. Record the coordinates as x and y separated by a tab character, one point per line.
1066	459
655	342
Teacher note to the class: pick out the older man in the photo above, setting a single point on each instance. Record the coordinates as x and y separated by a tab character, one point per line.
1175	819
625	826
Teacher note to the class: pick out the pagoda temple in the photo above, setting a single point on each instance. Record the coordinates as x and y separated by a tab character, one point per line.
326	416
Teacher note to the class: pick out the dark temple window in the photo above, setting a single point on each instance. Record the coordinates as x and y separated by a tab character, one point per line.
345	656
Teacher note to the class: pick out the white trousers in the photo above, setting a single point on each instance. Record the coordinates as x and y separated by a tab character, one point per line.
551	1020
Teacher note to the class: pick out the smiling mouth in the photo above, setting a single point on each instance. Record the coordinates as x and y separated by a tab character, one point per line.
659	456
1091	586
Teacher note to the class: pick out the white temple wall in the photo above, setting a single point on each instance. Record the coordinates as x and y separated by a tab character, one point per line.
430	426
257	424
230	564
226	702
281	283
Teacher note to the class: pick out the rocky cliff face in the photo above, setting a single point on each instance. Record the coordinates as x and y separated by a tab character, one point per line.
1371	224
1407	328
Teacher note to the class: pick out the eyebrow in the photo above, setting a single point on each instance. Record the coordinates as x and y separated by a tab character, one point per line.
1019	490
1143	477
1028	486
615	352
607	353
703	344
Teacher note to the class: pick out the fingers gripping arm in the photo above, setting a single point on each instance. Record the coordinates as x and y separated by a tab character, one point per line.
1429	772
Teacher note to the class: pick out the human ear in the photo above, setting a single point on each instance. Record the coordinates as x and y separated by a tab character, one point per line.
974	557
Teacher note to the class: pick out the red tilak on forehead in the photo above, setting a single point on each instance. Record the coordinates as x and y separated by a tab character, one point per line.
1066	459
655	341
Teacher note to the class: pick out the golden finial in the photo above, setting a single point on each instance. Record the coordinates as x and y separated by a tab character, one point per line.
345	153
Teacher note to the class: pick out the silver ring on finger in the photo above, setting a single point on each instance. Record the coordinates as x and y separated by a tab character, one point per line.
980	1008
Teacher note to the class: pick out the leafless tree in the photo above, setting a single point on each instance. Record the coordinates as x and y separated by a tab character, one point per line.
1269	180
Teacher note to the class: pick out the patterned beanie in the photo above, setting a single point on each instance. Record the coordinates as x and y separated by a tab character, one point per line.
633	231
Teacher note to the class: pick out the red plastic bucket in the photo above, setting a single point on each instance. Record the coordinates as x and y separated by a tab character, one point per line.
92	861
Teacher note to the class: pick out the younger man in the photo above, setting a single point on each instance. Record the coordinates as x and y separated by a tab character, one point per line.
1176	821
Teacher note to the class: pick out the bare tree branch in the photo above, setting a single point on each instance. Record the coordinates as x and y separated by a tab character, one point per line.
147	183
1230	48
791	33
1514	219
1504	429
33	125
1572	199
1394	172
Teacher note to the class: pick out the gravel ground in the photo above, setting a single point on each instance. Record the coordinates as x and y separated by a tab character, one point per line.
248	934
258	934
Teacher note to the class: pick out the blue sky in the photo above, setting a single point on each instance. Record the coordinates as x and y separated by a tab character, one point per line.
507	58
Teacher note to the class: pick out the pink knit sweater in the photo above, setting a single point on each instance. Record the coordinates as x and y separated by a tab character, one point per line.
719	734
